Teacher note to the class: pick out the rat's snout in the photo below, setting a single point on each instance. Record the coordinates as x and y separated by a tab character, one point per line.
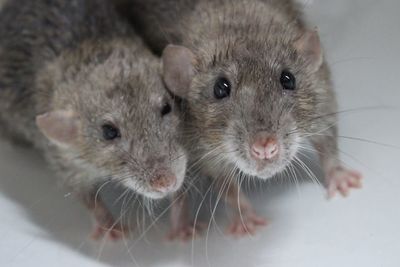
264	147
163	182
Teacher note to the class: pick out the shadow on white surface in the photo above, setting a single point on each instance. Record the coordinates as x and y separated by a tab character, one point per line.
51	218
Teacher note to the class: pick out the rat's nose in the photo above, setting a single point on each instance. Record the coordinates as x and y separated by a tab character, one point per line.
163	182
265	148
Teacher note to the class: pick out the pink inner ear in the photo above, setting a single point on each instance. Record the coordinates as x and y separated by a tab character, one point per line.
61	127
178	65
309	46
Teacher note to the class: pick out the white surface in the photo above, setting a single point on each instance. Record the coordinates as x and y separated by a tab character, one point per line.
41	227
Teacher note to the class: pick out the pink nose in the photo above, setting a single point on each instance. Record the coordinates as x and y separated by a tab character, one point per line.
163	182
265	148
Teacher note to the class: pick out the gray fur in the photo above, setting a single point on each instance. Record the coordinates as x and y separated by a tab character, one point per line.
2	2
250	42
79	55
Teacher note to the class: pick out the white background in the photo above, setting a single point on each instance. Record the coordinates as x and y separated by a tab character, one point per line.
39	226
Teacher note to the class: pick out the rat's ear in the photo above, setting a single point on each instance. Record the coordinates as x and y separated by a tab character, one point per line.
178	69
309	46
61	126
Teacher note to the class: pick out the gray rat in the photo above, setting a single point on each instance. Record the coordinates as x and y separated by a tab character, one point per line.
256	87
79	85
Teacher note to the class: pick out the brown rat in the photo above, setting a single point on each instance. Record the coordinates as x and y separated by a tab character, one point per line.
78	84
256	87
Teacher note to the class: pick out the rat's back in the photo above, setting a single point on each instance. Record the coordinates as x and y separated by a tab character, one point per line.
33	33
161	22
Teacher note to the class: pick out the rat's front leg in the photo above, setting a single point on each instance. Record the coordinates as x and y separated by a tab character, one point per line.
105	224
182	227
338	178
245	221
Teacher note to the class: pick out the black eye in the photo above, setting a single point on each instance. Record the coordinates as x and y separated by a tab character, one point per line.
166	109
110	132
288	80
222	88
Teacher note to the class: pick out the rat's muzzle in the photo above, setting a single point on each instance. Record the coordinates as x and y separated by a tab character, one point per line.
163	182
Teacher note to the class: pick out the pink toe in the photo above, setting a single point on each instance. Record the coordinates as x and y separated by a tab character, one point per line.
355	183
114	235
343	189
356	174
332	191
260	221
96	234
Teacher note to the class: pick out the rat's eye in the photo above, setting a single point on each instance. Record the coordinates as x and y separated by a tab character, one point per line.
288	80
166	109
222	88
110	132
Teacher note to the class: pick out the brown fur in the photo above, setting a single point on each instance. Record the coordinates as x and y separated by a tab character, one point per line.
250	43
79	56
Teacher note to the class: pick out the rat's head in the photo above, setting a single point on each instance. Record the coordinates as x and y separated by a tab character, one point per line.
249	100
112	114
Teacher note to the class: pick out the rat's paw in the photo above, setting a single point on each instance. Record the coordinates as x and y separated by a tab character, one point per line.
106	225
186	232
112	232
342	180
247	224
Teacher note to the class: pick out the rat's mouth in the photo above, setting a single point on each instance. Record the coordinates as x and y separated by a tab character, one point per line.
159	184
267	168
262	169
148	191
155	194
160	181
261	166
